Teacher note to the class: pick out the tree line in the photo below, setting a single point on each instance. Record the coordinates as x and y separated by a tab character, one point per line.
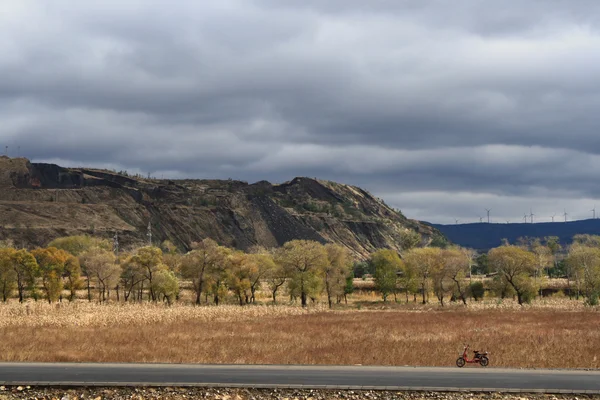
519	270
307	269
304	270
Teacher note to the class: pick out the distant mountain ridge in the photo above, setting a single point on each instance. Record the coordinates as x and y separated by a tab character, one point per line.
40	202
484	236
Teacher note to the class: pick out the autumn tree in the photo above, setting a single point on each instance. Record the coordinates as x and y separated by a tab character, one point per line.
238	274
303	261
8	277
131	278
515	267
336	270
457	266
26	270
54	265
196	264
218	273
165	285
426	262
583	262
408	280
102	268
171	256
149	260
386	264
77	246
275	279
442	283
261	264
409	239
544	259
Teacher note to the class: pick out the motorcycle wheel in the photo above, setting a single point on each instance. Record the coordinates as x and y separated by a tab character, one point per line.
460	362
484	361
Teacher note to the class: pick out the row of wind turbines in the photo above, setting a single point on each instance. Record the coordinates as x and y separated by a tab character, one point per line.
529	218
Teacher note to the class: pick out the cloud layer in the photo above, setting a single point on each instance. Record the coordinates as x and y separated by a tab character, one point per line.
441	108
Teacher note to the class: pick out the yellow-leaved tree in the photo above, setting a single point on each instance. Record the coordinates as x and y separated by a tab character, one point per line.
303	261
515	267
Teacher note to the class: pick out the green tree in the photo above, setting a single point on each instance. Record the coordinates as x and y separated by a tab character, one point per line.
387	264
515	267
303	261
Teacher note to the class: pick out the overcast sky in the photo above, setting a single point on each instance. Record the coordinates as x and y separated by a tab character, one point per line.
441	108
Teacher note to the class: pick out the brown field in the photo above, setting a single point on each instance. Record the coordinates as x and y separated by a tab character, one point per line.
548	334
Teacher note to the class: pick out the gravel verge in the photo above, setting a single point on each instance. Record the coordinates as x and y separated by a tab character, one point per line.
141	393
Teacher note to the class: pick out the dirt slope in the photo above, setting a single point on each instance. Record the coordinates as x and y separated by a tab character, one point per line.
39	202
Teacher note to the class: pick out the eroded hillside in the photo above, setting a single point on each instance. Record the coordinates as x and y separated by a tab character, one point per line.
39	202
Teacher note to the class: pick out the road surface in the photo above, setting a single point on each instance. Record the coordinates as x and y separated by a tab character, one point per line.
297	376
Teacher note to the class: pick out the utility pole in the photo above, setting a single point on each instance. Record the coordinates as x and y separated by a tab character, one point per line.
116	245
149	234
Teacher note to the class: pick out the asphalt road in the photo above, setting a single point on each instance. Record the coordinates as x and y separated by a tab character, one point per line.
296	376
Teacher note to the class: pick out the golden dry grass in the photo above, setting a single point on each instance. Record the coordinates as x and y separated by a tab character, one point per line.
554	334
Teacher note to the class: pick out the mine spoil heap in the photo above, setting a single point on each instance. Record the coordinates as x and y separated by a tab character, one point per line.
40	202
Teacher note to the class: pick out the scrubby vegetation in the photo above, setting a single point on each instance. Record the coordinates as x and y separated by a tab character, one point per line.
301	271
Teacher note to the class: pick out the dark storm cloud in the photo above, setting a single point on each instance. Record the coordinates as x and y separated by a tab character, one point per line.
467	104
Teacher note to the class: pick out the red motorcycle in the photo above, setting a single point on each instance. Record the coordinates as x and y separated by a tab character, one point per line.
479	357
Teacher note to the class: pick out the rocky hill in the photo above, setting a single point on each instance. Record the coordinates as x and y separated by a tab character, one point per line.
39	202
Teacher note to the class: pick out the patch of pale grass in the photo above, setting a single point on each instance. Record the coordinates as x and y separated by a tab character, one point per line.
84	314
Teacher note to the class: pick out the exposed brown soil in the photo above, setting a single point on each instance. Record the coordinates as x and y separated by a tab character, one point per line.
40	202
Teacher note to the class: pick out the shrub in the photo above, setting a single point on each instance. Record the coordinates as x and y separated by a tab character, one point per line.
477	290
592	299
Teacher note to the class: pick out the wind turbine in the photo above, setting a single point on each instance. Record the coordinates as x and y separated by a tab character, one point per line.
565	214
488	213
525	218
456	221
480	218
553	217
593	210
531	214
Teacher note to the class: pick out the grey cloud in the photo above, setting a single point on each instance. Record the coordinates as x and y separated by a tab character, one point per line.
407	99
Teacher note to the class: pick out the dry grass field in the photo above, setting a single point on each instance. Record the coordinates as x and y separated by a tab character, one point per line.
549	334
